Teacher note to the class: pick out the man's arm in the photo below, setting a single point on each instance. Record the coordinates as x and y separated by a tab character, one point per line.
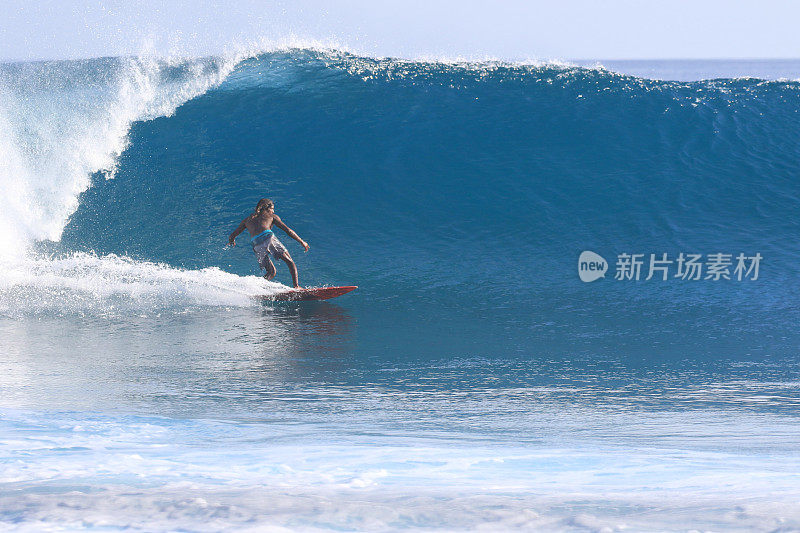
237	231
278	222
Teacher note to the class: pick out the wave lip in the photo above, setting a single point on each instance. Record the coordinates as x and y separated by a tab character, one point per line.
62	121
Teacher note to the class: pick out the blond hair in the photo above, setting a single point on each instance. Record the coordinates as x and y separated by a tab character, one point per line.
263	204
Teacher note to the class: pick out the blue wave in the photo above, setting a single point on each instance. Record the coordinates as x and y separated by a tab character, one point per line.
471	188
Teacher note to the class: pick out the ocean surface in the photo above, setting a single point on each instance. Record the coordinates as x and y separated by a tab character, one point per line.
473	381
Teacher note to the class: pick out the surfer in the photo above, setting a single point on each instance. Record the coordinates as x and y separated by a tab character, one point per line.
264	241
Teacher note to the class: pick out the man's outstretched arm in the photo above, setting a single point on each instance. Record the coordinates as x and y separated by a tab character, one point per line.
236	232
278	222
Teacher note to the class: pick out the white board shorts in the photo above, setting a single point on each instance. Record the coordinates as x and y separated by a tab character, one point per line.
266	246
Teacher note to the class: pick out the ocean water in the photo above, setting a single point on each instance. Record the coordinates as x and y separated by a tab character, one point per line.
473	381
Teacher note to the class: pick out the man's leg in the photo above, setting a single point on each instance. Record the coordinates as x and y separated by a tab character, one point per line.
292	268
270	268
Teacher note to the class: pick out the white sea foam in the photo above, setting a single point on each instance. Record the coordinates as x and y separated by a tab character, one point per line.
160	474
62	121
111	285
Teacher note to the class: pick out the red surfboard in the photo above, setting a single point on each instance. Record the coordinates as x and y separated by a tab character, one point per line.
318	293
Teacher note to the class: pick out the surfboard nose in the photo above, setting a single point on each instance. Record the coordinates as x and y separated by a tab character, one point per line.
314	293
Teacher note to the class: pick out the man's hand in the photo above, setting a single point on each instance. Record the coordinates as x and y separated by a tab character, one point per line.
237	231
305	245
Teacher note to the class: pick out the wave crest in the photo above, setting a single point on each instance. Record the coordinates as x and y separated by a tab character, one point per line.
62	121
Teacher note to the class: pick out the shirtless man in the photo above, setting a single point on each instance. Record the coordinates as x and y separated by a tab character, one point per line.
264	242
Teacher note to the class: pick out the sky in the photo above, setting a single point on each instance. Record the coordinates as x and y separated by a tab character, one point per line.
469	29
